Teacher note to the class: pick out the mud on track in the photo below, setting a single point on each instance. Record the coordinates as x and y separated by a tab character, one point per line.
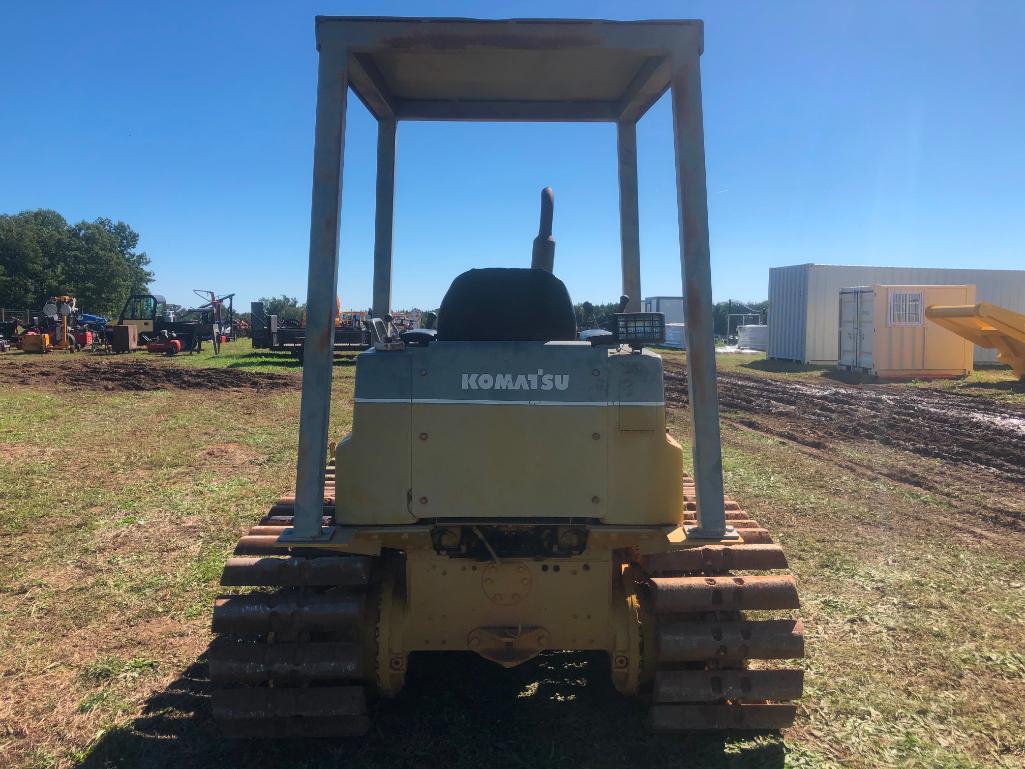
140	375
977	434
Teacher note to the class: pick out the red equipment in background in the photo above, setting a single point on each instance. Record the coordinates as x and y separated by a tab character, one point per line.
166	343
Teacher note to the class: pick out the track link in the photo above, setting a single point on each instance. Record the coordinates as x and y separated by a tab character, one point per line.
288	659
710	623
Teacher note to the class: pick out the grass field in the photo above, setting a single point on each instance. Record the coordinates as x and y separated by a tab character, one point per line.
119	506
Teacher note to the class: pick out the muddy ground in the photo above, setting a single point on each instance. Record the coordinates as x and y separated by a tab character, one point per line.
112	374
978	442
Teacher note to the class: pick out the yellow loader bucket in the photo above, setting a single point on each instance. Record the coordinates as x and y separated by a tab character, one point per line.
986	325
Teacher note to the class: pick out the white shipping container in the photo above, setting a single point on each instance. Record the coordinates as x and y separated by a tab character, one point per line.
804	302
884	331
753	337
670	306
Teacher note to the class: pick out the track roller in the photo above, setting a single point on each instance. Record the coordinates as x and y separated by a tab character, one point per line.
704	611
291	654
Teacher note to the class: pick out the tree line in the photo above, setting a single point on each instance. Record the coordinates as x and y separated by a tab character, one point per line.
43	255
590	315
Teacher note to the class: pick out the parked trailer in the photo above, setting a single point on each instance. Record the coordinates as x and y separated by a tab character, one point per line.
290	336
883	332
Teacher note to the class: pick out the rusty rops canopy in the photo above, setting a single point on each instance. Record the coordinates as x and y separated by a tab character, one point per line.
509	70
520	69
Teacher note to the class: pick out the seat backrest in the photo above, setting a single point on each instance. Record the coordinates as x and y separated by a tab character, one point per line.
497	304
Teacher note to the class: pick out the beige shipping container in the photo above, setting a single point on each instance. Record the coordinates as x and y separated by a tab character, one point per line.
884	331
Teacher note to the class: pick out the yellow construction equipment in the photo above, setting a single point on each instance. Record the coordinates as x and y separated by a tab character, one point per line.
507	488
986	325
36	343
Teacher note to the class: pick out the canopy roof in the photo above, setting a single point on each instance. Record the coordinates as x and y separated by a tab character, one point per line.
517	69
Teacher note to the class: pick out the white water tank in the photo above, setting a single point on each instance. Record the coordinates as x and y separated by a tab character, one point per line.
753	338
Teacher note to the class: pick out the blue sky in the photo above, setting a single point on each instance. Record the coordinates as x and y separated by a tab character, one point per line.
843	132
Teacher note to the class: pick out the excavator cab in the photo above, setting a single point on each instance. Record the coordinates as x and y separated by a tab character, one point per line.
507	488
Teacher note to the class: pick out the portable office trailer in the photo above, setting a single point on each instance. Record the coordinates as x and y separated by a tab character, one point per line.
670	306
803	302
884	332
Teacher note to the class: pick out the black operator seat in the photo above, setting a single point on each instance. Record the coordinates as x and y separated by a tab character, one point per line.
498	304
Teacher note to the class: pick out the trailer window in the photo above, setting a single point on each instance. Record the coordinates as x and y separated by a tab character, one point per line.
907	308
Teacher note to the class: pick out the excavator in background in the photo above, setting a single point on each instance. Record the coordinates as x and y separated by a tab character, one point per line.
539	503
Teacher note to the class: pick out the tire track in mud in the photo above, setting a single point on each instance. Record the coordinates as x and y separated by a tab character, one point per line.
973	433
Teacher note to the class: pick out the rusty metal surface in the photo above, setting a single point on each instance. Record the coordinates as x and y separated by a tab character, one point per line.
691	622
755	536
519	69
722	593
292	612
513	70
689	139
629	216
695	640
384	216
262	544
716	558
253	663
290	661
699	626
292	571
318	351
543	255
711	685
419	68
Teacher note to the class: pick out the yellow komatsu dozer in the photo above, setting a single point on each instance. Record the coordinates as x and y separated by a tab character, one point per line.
508	487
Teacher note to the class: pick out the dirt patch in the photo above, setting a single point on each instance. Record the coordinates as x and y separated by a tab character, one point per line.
226	456
18	452
135	375
973	432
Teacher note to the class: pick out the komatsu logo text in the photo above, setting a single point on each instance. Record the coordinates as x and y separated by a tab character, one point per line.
538	381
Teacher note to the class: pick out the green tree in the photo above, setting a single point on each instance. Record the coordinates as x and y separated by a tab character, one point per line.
590	315
285	307
32	248
41	255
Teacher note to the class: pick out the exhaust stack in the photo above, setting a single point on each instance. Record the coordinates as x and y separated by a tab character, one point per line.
543	257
